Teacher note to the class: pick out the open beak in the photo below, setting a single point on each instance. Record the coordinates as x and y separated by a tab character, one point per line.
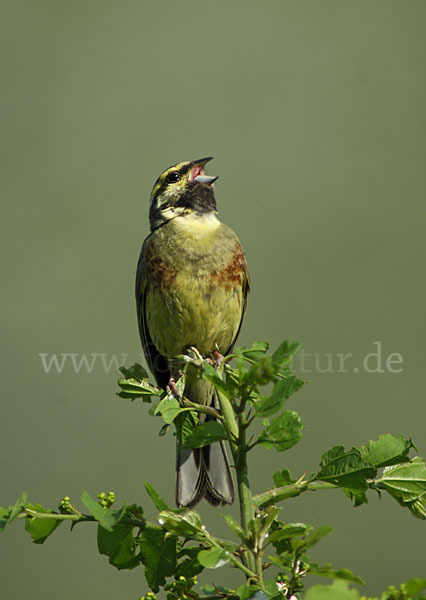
197	172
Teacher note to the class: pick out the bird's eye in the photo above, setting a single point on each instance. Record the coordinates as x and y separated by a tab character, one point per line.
173	177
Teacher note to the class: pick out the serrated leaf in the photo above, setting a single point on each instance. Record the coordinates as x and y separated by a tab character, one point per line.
132	388
136	371
283	432
282	478
387	450
283	389
205	434
408	478
158	554
346	469
213	558
39	528
119	545
106	517
339	590
407	484
155	497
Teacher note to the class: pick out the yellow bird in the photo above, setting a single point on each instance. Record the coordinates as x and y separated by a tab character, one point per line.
191	290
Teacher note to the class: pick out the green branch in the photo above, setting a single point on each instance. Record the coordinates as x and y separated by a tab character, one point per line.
290	491
29	513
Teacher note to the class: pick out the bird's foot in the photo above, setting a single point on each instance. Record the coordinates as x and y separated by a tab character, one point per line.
218	359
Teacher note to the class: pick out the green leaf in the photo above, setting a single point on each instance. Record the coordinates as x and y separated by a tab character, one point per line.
106	516
119	545
213	558
214	590
289	530
387	450
408	478
169	408
414	586
346	469
250	592
359	497
283	355
155	497
205	434
185	424
210	374
132	388
39	528
158	554
190	565
136	371
283	432
272	590
283	389
316	536
407	484
268	518
7	515
187	525
339	590
327	571
235	527
282	478
256	352
254	527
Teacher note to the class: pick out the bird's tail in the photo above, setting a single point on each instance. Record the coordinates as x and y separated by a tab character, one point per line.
203	472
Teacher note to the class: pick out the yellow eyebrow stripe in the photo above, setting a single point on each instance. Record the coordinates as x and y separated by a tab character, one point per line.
183	166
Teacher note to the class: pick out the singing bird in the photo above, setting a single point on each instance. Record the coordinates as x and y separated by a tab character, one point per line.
191	290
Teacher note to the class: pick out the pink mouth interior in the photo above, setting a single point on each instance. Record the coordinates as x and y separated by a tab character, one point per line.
195	171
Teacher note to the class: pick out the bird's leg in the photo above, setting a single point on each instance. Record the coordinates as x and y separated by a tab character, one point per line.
173	388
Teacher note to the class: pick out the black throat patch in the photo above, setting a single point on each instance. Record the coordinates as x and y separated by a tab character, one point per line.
199	197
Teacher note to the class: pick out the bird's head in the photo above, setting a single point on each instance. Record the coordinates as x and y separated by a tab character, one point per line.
182	189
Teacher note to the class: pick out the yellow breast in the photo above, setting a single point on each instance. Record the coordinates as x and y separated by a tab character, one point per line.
194	297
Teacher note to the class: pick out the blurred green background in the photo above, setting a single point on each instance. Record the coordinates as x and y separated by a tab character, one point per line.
315	114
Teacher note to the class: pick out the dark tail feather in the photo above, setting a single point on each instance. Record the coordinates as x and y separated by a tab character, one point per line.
203	473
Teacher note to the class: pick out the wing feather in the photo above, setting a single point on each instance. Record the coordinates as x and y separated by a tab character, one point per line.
157	362
245	291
